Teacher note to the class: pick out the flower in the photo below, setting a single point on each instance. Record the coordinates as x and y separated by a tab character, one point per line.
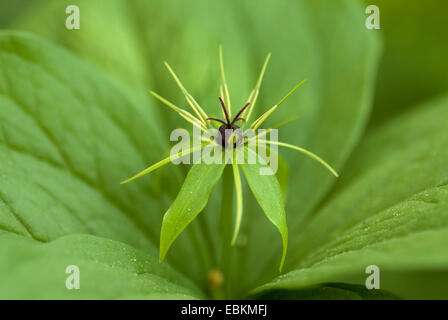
202	122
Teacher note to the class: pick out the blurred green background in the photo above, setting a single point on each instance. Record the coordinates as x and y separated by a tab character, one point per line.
413	66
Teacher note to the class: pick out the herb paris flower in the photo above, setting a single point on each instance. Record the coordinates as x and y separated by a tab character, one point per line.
203	177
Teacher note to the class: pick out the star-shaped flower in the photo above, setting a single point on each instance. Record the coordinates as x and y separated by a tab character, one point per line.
202	178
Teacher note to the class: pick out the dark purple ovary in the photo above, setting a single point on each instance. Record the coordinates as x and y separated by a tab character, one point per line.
227	129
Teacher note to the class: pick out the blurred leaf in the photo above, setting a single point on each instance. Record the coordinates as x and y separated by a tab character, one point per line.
68	137
108	36
393	213
414	65
9	10
107	270
283	177
427	120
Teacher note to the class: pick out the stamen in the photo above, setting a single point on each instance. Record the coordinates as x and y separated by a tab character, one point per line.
242	119
219	120
238	114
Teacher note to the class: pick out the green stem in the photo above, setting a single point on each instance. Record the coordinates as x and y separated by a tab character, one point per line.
226	226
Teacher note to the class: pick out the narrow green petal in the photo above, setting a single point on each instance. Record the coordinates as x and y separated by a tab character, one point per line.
292	91
254	93
308	153
257	123
190	100
148	170
183	113
224	89
195	106
264	116
161	164
239	201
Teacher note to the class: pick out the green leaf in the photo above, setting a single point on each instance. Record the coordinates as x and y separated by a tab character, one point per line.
267	191
107	270
108	38
282	173
190	201
283	176
393	213
68	136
